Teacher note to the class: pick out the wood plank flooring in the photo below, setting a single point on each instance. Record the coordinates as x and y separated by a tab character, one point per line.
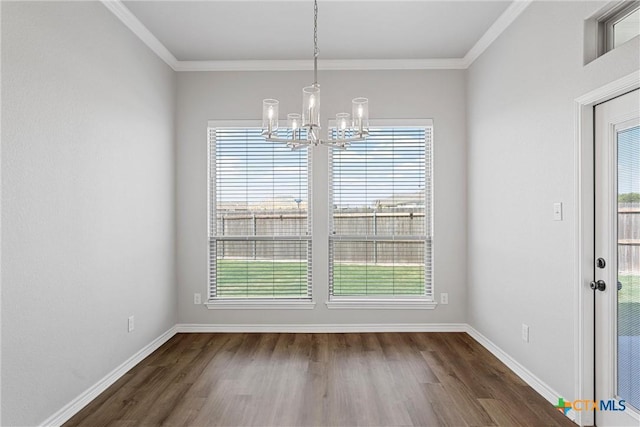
382	379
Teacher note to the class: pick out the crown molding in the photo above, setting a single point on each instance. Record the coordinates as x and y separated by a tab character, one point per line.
323	64
138	28
502	23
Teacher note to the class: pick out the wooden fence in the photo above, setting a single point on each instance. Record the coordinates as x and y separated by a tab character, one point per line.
294	223
629	238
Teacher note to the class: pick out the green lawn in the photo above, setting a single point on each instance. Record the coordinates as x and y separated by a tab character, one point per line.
246	279
630	291
629	306
358	279
261	279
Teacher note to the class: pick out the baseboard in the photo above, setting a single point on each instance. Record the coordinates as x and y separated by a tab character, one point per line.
323	328
527	376
73	407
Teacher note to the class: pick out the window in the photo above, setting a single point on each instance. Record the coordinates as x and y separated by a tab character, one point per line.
380	239
620	25
611	26
259	218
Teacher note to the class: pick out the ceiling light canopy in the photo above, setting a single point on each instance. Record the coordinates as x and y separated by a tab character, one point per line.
304	129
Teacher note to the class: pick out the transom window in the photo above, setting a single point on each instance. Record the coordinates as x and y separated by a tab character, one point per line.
620	25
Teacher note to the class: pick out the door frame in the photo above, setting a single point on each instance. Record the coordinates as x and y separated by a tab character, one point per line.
584	235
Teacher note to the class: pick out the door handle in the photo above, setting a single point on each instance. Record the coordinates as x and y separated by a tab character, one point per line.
600	285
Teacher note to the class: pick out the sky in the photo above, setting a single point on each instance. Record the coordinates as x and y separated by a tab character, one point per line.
251	170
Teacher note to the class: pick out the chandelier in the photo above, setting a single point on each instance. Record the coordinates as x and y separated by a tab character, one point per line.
304	129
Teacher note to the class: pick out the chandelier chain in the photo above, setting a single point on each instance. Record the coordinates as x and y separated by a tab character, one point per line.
315	42
315	28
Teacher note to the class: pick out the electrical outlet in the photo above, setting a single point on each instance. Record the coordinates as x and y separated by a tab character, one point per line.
525	333
131	324
444	298
197	299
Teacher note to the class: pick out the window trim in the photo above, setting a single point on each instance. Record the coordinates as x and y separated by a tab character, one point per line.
304	303
369	302
384	301
317	213
252	304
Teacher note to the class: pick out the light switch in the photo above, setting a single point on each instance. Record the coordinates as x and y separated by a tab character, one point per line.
557	211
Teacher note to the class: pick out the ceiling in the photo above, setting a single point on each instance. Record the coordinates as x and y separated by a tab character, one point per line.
238	30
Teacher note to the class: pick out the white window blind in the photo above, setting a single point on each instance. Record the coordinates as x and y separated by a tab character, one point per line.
259	218
381	216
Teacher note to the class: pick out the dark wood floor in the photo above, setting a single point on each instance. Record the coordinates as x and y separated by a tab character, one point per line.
386	379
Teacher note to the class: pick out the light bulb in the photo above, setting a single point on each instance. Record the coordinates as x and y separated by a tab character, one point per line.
294	125
343	124
360	111
312	101
270	113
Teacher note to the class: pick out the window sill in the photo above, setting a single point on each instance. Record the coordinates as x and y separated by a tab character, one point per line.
260	305
381	304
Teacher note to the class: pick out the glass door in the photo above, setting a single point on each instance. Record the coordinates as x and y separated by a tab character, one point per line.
628	292
617	269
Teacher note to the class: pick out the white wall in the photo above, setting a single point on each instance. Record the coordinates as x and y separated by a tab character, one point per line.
521	160
439	95
88	191
87	201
